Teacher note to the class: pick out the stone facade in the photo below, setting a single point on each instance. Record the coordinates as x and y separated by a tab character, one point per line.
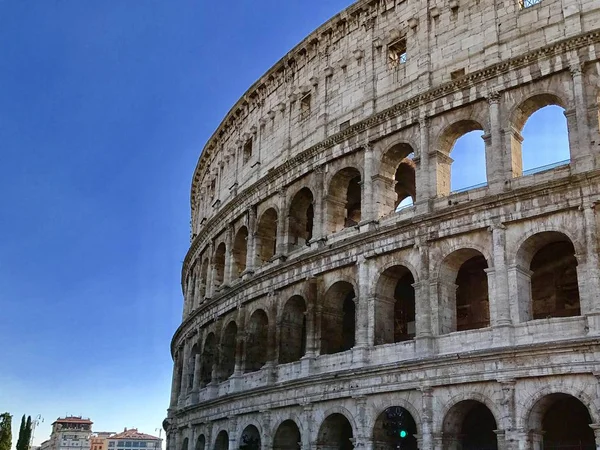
318	314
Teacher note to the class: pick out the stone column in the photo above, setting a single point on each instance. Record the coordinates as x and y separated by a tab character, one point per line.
591	269
184	372
282	220
423	308
308	443
228	256
319	207
423	175
581	154
499	303
362	319
510	416
495	159
427	419
251	245
519	293
362	436
240	341
176	381
367	200
210	271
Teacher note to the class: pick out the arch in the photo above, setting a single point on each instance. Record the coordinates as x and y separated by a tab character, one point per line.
470	424
564	422
519	118
257	341
240	252
547	282
463	291
339	317
301	221
344	199
228	351
185	444
192	365
287	436
395	306
222	441
446	143
250	439
292	342
395	427
335	432
396	181
209	358
200	443
219	264
266	236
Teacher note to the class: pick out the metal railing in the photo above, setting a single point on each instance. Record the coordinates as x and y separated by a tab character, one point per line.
468	188
546	167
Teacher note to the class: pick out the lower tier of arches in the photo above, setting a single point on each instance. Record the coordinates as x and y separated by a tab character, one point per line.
537	413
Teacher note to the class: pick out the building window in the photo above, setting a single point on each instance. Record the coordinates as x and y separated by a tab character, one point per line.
528	3
397	53
305	105
247	151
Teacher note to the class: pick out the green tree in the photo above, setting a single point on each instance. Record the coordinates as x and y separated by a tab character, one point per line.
27	433
5	431
21	434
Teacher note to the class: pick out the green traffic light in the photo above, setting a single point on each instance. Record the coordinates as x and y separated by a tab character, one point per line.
403	434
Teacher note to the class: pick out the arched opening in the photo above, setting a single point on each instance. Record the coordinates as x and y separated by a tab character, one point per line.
335	433
395	306
240	252
292	342
395	428
338	321
463	286
287	437
250	438
201	442
208	359
185	444
192	365
257	342
219	262
470	425
266	236
203	278
461	160
396	186
222	441
228	350
562	422
540	135
344	200
549	282
301	219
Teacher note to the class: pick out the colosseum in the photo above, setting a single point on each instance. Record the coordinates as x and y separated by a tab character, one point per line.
340	293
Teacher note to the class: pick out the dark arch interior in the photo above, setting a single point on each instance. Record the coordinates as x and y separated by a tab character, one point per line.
222	441
256	345
201	442
208	359
335	433
478	429
472	301
219	264
240	251
267	236
228	350
185	444
339	316
344	200
301	219
250	439
292	342
395	428
287	437
566	424
554	286
405	182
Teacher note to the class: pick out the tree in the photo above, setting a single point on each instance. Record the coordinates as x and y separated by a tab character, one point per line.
5	431
24	434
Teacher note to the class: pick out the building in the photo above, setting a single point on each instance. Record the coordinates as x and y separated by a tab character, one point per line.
99	440
320	313
132	439
69	433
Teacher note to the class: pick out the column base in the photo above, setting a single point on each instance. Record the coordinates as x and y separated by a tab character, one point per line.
593	323
360	355
247	274
502	334
422	207
306	365
425	345
367	225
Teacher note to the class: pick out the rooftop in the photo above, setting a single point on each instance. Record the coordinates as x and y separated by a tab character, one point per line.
73	419
133	433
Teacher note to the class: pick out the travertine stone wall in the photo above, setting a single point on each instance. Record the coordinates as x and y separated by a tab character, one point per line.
293	315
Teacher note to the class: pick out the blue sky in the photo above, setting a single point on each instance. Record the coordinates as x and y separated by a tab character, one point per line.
104	109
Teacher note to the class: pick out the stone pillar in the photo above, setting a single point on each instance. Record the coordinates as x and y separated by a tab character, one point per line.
519	293
184	372
439	174
311	302
251	245
590	297
319	206
501	439
210	271
308	443
383	189
509	413
423	307
498	297
282	219
495	159
422	175
580	155
362	436
240	347
176	381
228	256
362	319
367	200
427	442
596	428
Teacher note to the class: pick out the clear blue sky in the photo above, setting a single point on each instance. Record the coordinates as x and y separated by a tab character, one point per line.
104	109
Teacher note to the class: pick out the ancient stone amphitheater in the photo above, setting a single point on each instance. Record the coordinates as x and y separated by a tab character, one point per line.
340	294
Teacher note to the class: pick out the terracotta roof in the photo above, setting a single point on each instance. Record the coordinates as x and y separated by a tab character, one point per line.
134	434
73	419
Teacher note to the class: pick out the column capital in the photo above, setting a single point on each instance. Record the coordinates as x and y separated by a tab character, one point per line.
576	68
493	97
